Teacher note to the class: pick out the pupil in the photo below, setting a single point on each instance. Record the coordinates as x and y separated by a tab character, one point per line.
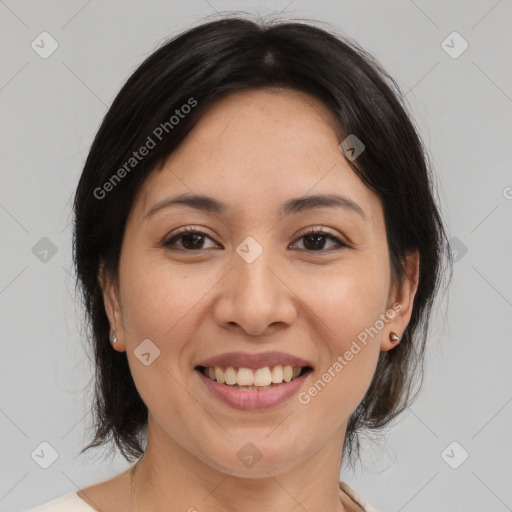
195	237
315	238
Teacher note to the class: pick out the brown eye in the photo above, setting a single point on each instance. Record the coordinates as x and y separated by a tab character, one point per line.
189	240
315	241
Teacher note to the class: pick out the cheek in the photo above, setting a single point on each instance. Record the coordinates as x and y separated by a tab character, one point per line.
158	305
348	305
348	299
158	302
162	303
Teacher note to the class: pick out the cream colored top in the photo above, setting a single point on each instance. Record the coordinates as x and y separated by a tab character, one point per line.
71	502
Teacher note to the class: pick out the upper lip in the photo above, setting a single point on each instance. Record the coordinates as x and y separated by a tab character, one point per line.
254	361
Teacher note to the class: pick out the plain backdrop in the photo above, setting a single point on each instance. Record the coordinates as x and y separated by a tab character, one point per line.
452	450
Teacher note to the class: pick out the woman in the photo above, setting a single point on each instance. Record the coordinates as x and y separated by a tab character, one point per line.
259	249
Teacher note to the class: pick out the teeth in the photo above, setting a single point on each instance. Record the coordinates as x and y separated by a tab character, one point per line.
262	378
230	375
277	374
245	377
219	375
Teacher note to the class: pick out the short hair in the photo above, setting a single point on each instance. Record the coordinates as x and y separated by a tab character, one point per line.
199	67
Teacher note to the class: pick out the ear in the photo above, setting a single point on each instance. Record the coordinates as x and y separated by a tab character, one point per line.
401	302
112	307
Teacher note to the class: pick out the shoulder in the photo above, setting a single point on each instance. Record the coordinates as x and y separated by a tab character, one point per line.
365	507
112	495
69	502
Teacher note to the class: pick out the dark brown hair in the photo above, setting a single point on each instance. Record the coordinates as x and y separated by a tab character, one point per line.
207	63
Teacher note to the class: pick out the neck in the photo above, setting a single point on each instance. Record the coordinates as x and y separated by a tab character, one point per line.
167	473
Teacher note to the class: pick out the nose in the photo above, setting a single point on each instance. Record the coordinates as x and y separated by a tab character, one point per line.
256	297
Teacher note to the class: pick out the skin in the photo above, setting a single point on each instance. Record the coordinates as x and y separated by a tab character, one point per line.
252	150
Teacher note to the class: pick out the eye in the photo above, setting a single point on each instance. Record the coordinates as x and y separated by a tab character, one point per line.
190	239
314	241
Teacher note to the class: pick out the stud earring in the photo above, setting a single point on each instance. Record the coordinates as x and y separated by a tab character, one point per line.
113	337
393	337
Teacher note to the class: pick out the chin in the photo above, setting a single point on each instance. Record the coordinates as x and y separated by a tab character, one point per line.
255	459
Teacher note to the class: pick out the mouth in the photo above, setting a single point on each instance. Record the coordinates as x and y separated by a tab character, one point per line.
253	379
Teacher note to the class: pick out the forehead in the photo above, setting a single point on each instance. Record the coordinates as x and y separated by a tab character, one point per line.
262	147
271	117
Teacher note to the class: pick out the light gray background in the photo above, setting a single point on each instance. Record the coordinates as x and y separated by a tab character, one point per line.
50	111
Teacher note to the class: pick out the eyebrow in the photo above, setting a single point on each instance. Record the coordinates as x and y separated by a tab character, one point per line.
294	205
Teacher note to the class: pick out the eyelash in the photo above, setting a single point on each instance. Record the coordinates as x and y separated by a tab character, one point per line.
186	231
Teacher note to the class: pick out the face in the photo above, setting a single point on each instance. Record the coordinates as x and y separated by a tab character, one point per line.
260	274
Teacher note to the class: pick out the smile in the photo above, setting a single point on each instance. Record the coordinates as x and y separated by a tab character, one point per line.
253	388
251	379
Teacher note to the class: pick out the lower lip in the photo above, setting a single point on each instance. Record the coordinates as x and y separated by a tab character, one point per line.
253	400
